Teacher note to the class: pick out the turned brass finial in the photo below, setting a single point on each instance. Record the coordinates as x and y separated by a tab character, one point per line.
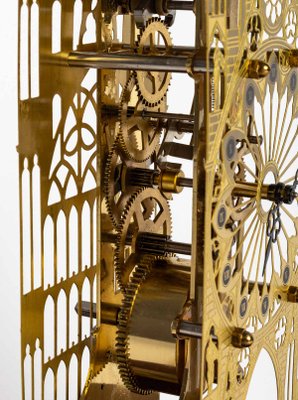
256	69
242	338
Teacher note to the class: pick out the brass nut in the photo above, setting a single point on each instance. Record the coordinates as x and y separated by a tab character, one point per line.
168	182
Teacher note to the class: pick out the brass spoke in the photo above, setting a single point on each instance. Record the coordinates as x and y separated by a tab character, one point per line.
250	244
284	231
262	237
259	225
249	170
288	165
264	135
160	221
276	128
244	204
152	42
287	151
270	129
279	247
280	133
242	222
252	153
287	212
145	140
272	260
289	180
138	216
244	236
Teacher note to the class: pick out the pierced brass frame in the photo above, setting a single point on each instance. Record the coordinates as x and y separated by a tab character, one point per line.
63	215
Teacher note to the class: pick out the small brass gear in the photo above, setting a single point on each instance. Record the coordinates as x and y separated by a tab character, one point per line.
153	85
135	218
139	137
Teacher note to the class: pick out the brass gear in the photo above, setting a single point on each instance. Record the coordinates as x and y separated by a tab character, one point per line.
115	197
140	312
153	85
135	219
138	137
122	338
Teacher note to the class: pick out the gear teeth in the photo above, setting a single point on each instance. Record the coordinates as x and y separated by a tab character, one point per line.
122	336
147	98
107	176
120	227
114	208
118	259
135	155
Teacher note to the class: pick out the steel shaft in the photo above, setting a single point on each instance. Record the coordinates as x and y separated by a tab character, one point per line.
139	62
180	5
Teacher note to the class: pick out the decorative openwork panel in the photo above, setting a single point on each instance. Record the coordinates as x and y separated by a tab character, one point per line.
58	149
251	257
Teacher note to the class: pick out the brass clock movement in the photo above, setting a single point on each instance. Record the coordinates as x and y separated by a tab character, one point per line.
112	305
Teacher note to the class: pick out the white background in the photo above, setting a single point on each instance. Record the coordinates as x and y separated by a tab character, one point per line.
10	386
10	382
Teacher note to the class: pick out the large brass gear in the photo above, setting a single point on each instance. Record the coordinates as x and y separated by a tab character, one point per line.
116	193
135	219
140	323
122	341
152	86
138	137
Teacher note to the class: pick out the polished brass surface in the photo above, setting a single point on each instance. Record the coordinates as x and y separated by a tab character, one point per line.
100	318
148	355
169	181
241	338
135	219
267	192
255	69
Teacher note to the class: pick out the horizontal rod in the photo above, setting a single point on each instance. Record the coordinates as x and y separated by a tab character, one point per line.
88	309
185	182
158	244
175	50
279	192
108	237
109	109
147	241
189	329
180	5
164	115
139	62
109	312
177	247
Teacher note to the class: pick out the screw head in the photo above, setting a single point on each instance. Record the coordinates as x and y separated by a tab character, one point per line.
242	338
286	275
265	305
221	216
226	275
230	148
293	82
243	307
250	95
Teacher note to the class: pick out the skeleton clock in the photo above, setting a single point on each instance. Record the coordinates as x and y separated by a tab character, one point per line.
112	305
